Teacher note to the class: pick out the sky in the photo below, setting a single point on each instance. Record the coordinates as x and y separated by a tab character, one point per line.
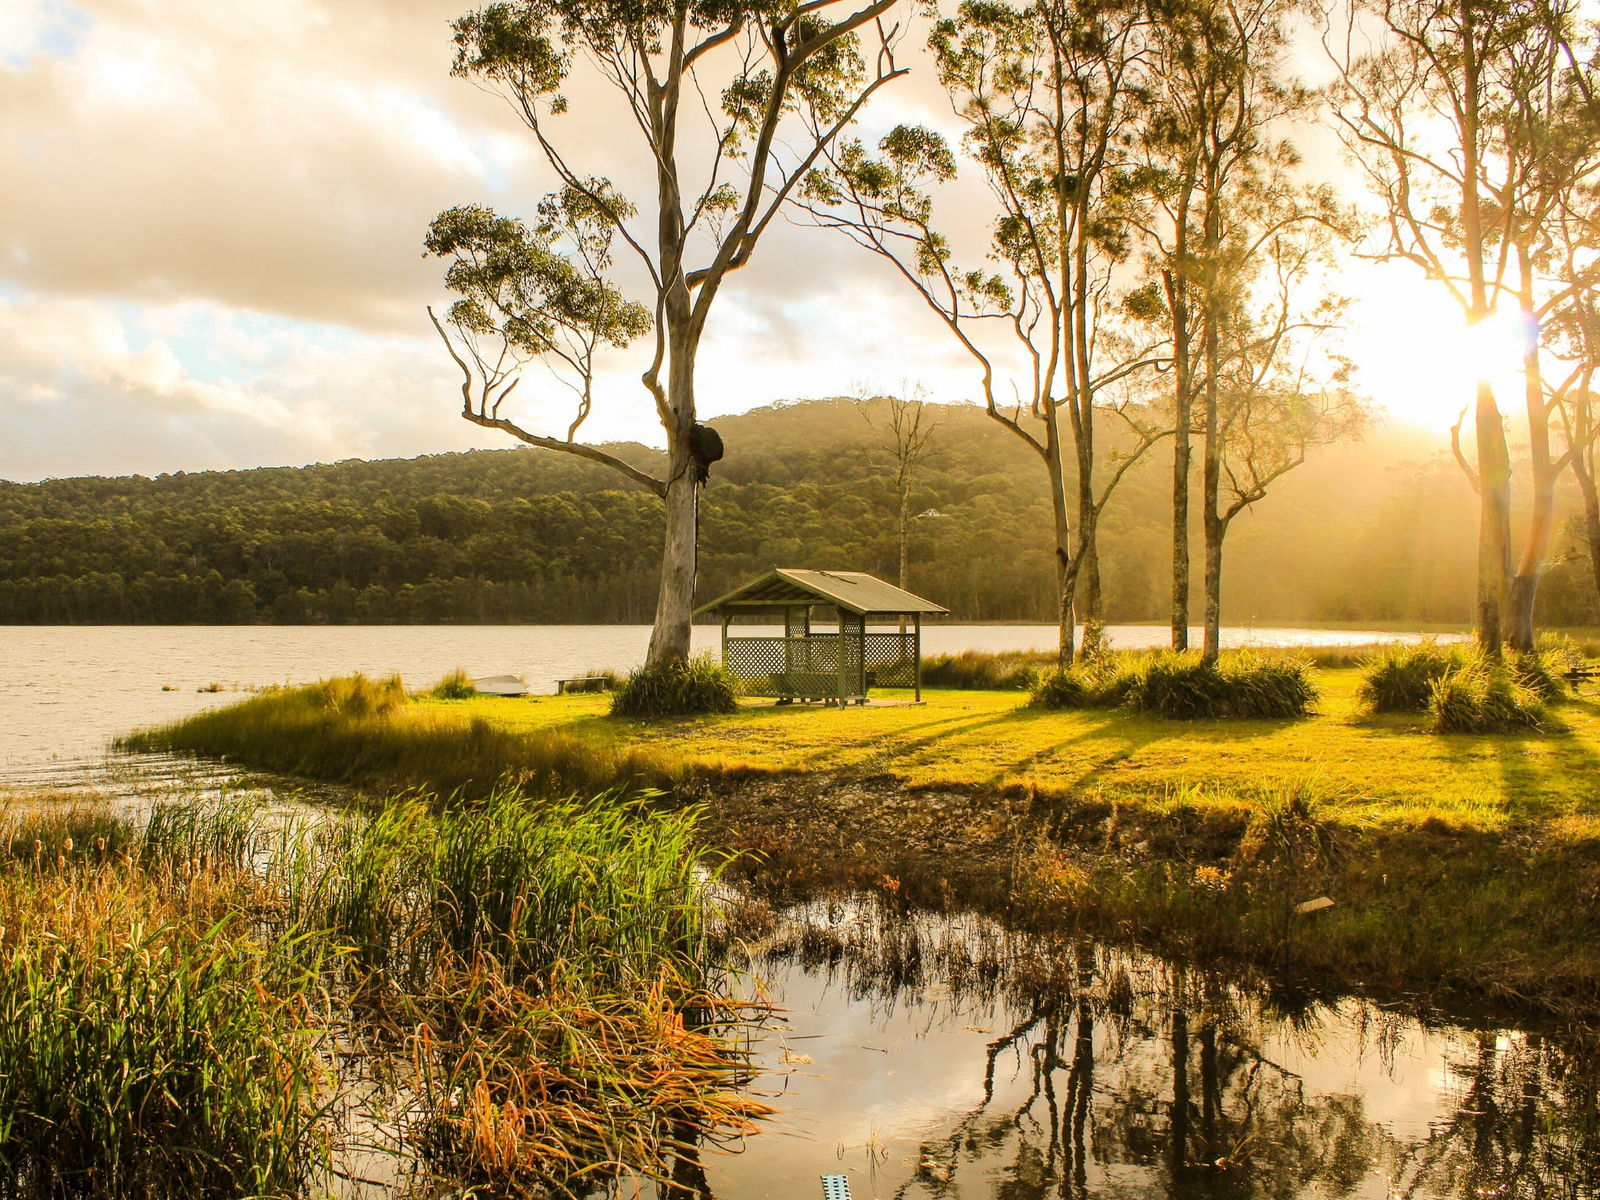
210	249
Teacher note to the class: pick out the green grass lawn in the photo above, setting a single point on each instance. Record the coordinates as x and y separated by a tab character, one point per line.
1368	770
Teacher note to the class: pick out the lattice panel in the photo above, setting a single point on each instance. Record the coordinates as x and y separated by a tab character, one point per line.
754	662
853	627
891	659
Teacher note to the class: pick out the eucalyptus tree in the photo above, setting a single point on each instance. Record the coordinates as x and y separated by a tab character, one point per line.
728	105
1240	252
1048	96
1474	124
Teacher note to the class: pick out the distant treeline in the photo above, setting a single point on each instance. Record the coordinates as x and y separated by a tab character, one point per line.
1381	532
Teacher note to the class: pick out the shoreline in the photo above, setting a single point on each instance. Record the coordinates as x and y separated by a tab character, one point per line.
1448	899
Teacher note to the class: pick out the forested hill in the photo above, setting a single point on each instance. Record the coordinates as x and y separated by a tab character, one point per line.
1383	531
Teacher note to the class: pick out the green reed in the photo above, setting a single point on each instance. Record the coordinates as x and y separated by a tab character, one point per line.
534	973
153	1040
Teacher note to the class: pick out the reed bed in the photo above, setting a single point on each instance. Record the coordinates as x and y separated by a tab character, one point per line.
535	978
364	732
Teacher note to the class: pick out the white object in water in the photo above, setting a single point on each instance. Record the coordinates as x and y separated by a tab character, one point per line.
835	1187
500	685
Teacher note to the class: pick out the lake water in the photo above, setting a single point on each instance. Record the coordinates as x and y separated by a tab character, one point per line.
926	1057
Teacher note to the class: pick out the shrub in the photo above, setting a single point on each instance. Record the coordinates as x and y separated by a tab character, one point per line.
678	689
454	686
1484	699
1184	686
1541	672
1243	685
1402	678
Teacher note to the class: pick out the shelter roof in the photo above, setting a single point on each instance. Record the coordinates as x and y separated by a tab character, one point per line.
852	591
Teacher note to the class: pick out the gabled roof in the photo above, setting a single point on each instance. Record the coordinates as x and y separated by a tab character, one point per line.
852	591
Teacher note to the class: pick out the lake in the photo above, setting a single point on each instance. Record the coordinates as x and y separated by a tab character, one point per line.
927	1056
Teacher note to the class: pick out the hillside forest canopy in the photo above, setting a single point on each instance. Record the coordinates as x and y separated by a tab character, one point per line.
518	535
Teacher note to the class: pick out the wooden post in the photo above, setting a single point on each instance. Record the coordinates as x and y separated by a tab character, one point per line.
839	660
725	619
917	650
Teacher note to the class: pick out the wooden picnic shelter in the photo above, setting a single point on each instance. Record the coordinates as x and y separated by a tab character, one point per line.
808	660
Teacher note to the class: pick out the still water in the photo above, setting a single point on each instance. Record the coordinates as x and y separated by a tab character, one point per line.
935	1058
925	1056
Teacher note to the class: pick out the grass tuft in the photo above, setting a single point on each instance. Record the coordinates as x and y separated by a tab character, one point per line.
677	689
1185	687
977	670
1402	678
455	686
1485	699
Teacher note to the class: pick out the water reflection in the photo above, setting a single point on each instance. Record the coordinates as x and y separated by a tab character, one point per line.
927	1058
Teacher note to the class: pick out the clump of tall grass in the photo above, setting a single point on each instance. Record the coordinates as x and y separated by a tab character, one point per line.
457	685
1239	685
365	732
677	689
61	834
1462	691
523	966
979	670
1103	683
153	1039
598	892
1401	678
1485	698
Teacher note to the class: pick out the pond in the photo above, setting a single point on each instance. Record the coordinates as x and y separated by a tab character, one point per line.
924	1056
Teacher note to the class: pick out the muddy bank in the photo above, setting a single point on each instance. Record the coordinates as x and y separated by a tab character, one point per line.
1443	917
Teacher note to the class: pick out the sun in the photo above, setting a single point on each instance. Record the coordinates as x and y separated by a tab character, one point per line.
1414	353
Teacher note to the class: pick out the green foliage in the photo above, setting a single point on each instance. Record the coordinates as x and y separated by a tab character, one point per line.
1461	691
692	688
455	686
594	894
523	536
1185	687
1540	672
1242	685
1401	678
1484	698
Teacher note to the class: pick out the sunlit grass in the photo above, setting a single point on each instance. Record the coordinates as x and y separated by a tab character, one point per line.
1388	768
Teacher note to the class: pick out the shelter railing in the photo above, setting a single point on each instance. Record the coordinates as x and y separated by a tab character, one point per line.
809	665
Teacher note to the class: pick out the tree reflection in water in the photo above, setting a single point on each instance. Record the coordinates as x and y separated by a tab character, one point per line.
1112	1073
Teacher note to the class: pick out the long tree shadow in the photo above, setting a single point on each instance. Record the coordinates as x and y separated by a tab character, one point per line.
1535	770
